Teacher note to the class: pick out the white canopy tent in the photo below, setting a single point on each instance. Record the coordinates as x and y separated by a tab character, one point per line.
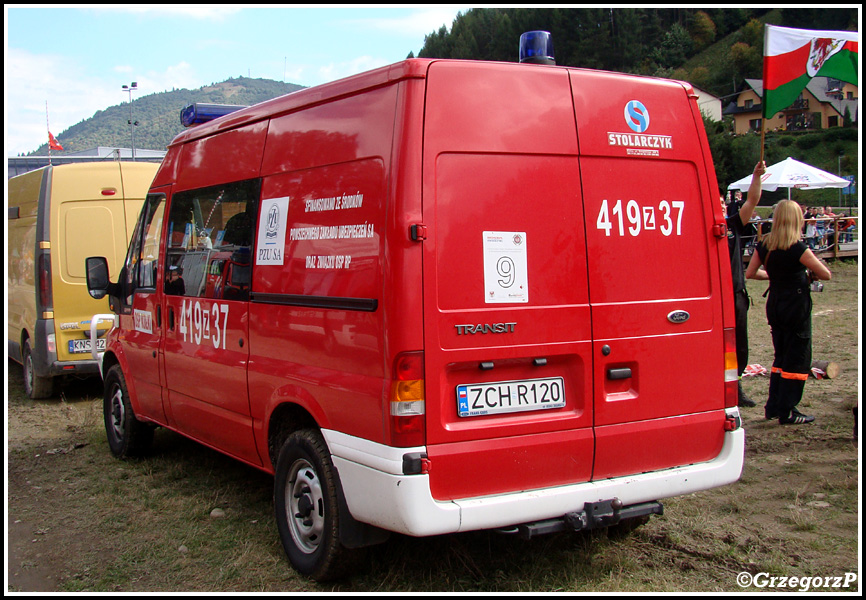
792	173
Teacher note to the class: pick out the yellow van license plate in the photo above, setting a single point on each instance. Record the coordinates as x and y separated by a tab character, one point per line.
510	396
81	346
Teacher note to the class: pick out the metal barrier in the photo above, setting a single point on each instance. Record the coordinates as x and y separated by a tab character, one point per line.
840	239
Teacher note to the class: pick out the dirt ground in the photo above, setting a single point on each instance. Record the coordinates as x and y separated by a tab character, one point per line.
795	511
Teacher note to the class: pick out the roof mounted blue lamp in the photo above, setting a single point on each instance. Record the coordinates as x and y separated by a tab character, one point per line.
536	47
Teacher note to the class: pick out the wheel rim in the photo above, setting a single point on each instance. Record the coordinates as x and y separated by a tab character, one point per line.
305	506
28	374
116	413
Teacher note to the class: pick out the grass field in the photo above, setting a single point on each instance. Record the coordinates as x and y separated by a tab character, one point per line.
79	520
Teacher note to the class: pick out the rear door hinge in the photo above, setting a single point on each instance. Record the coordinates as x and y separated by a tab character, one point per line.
720	230
418	232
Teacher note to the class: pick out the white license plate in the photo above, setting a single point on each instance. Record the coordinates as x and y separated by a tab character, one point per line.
476	399
81	346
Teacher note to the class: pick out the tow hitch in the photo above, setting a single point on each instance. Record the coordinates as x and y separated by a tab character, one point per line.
594	514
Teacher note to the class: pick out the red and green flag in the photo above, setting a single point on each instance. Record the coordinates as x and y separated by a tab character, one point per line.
792	57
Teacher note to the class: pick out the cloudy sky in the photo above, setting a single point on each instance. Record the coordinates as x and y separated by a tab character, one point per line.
77	58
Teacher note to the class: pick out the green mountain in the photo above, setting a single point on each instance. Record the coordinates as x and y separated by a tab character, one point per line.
158	115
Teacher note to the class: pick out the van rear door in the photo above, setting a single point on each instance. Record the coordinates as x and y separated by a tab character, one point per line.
653	274
91	218
506	303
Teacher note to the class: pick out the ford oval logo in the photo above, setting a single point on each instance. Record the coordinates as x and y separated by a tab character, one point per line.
678	316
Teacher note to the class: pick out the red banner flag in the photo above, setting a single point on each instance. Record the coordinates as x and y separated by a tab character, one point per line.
53	144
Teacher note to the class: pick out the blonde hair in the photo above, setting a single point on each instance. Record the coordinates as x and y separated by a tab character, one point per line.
787	226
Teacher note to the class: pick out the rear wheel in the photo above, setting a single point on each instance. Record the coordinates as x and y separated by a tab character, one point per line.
36	387
127	436
307	508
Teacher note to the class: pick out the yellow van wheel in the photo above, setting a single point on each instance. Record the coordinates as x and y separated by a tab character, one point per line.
36	387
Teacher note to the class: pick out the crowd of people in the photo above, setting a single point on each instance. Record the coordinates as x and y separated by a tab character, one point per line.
823	227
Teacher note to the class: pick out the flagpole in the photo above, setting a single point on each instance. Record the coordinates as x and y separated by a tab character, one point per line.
48	128
763	131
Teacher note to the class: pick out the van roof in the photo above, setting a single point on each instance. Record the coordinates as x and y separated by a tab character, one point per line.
413	68
410	68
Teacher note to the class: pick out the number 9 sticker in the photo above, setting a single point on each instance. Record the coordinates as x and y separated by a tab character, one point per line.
506	278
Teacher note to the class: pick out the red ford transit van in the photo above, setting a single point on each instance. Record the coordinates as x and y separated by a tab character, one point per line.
436	297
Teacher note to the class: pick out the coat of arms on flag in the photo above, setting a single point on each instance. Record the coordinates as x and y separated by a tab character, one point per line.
821	50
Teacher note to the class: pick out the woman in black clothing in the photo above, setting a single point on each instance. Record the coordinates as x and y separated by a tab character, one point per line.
791	266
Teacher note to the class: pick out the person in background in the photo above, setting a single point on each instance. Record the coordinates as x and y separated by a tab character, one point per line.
811	231
790	265
737	223
849	225
174	283
820	227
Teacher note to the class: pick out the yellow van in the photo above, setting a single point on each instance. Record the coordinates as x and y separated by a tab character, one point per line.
58	216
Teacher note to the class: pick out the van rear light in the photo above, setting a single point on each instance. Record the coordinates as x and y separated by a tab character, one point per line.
51	344
44	283
731	376
407	409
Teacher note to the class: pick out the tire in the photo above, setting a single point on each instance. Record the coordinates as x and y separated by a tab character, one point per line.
307	508
127	436
35	386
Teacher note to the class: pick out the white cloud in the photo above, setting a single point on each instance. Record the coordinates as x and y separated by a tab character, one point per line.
334	71
31	81
419	23
72	95
213	12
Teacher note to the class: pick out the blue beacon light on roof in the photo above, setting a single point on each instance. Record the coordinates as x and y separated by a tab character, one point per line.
200	112
536	47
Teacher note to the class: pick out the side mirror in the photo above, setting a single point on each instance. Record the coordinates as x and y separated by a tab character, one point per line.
97	276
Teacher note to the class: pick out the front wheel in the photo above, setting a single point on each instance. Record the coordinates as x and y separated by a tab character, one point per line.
127	436
306	507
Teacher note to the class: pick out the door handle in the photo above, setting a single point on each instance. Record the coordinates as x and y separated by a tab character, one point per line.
618	373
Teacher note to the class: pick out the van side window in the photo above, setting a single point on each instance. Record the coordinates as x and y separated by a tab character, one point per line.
210	238
143	255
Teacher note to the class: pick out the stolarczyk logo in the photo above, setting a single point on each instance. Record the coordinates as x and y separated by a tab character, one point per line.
637	116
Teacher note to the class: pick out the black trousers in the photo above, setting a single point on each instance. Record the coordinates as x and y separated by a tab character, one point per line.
789	313
741	312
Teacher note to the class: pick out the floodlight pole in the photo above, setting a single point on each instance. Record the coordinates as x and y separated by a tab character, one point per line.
133	87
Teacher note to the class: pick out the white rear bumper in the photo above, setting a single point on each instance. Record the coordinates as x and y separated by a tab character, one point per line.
379	494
